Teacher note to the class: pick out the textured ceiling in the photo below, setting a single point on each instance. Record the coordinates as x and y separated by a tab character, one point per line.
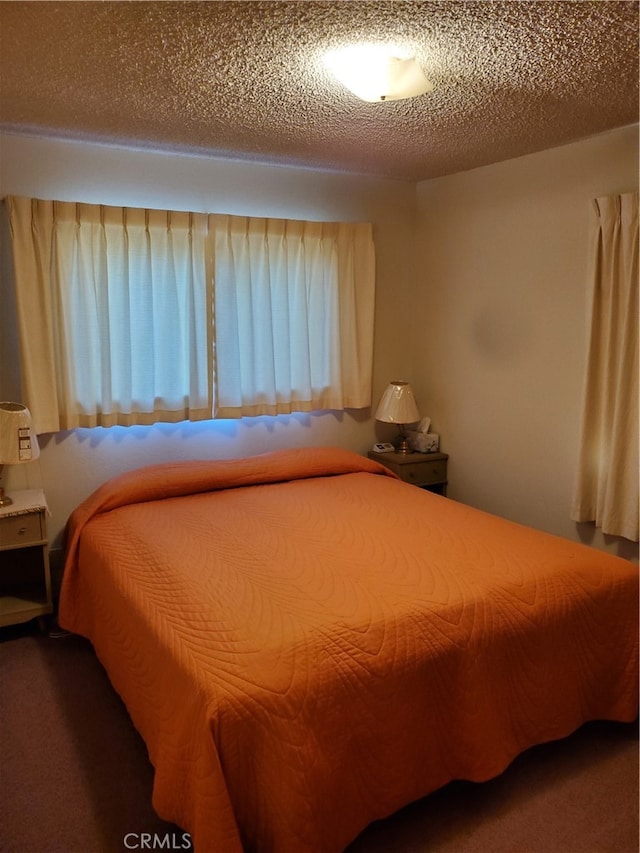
246	79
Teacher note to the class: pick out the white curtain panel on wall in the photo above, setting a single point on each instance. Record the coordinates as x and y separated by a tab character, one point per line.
606	485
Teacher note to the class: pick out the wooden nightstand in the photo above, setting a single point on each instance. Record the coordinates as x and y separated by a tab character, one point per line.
427	470
25	577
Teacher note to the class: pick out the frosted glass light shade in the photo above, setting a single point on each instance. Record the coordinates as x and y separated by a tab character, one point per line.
377	72
18	442
397	405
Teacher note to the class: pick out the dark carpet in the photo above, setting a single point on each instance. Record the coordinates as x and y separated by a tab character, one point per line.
75	777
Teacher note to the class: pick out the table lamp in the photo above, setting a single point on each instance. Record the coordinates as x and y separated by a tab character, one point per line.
398	406
18	442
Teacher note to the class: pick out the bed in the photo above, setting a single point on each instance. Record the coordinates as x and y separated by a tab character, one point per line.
307	644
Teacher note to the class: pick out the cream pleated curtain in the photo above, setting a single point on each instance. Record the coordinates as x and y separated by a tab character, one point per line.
112	311
606	485
293	315
130	316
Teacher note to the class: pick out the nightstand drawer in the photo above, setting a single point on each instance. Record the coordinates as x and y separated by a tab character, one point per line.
20	530
25	574
424	473
425	470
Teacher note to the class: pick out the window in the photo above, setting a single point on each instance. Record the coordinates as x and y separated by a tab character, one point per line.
137	316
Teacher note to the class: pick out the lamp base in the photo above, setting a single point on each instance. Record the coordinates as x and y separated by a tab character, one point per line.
5	500
404	446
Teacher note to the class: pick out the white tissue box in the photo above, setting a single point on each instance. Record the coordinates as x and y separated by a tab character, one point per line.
424	442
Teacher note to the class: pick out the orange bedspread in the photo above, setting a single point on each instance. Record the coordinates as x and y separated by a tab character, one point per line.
307	644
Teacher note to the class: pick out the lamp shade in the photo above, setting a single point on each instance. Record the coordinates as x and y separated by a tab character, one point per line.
18	442
397	405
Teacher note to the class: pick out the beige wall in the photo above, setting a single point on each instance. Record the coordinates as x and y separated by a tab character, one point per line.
73	464
489	324
499	323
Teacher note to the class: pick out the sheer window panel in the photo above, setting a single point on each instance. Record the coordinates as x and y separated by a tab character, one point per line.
114	306
294	310
116	314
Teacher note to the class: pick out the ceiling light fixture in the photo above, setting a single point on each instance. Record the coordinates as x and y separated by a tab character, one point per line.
377	72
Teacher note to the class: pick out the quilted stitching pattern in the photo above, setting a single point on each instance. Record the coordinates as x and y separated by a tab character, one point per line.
307	654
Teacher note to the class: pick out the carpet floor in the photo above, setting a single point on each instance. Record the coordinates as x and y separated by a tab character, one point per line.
75	776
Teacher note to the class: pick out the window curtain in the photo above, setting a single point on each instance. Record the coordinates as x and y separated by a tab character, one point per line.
293	315
606	485
112	311
130	316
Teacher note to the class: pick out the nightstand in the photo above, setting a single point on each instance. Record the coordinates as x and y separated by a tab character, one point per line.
25	577
427	470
